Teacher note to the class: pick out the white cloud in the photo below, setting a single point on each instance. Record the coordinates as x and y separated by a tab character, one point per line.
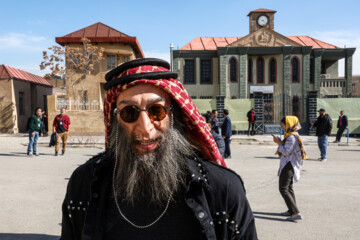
21	41
155	54
348	39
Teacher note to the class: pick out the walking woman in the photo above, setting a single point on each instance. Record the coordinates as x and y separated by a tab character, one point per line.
292	153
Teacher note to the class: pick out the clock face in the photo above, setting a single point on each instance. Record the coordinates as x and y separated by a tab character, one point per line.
263	20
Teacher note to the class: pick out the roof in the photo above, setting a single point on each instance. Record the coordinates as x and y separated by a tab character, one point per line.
209	43
262	10
101	33
309	41
7	72
212	43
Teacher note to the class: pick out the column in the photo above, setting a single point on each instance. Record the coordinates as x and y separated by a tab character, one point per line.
348	70
317	69
243	57
306	79
286	79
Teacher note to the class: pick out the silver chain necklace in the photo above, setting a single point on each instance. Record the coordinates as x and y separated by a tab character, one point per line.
114	191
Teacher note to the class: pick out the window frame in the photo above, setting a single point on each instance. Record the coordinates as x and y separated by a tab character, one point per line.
194	71
271	59
298	70
21	103
107	65
236	70
210	72
250	70
257	70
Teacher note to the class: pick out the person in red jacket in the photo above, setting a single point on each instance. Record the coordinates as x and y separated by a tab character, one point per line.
61	126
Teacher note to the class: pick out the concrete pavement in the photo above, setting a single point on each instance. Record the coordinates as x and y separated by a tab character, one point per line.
328	194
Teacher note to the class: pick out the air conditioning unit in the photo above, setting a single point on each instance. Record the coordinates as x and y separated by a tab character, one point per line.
325	76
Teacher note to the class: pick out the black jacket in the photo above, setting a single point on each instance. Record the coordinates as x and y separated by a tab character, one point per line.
215	194
249	116
344	121
323	125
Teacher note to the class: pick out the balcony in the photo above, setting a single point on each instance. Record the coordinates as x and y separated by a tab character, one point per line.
332	87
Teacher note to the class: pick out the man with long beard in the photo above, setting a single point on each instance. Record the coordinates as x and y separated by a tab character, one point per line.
153	181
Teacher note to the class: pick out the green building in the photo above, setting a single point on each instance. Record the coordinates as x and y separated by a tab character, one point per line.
284	69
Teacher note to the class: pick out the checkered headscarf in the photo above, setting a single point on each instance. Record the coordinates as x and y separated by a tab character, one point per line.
156	72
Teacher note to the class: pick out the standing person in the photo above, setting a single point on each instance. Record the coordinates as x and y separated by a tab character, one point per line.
226	132
35	129
323	126
251	119
218	139
215	121
61	125
153	181
292	153
342	124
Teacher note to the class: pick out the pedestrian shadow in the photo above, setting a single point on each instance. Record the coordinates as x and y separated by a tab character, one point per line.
349	150
277	158
258	215
27	236
14	154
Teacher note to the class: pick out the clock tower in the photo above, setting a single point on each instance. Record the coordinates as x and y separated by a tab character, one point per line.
261	18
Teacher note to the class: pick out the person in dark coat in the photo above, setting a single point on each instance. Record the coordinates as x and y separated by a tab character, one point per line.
215	121
323	126
218	139
161	175
251	119
342	124
35	130
226	132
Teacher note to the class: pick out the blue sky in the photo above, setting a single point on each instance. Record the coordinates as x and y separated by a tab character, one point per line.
28	27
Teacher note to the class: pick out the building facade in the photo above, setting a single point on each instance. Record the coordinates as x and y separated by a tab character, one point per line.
285	69
85	107
20	93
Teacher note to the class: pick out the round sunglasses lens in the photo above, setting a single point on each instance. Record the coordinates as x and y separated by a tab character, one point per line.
129	114
157	113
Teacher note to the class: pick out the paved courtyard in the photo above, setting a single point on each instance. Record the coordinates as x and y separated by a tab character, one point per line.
328	194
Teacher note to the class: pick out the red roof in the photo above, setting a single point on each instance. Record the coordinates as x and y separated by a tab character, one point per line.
262	10
211	43
7	72
309	41
101	33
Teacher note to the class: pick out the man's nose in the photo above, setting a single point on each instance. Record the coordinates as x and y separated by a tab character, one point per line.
144	125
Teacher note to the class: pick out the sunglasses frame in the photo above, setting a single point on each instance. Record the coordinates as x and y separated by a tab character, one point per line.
118	111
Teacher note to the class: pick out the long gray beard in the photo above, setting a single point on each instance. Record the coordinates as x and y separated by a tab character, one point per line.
152	176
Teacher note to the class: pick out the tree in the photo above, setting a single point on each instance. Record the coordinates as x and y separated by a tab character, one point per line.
72	63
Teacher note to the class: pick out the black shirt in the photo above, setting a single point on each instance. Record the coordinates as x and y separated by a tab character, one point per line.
177	223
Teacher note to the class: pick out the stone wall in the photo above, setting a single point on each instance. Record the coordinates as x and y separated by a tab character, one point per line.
8	123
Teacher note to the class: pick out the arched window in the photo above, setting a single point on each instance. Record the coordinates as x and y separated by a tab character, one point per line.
295	108
272	70
295	70
260	70
233	70
250	73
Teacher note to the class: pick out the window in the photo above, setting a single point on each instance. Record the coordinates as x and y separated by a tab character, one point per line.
205	71
206	97
312	69
110	62
21	103
295	70
250	73
126	58
233	70
272	71
260	70
296	107
189	71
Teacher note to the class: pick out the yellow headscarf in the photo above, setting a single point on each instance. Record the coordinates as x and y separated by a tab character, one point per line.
292	128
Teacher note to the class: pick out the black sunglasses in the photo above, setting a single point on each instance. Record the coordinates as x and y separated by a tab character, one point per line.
130	114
